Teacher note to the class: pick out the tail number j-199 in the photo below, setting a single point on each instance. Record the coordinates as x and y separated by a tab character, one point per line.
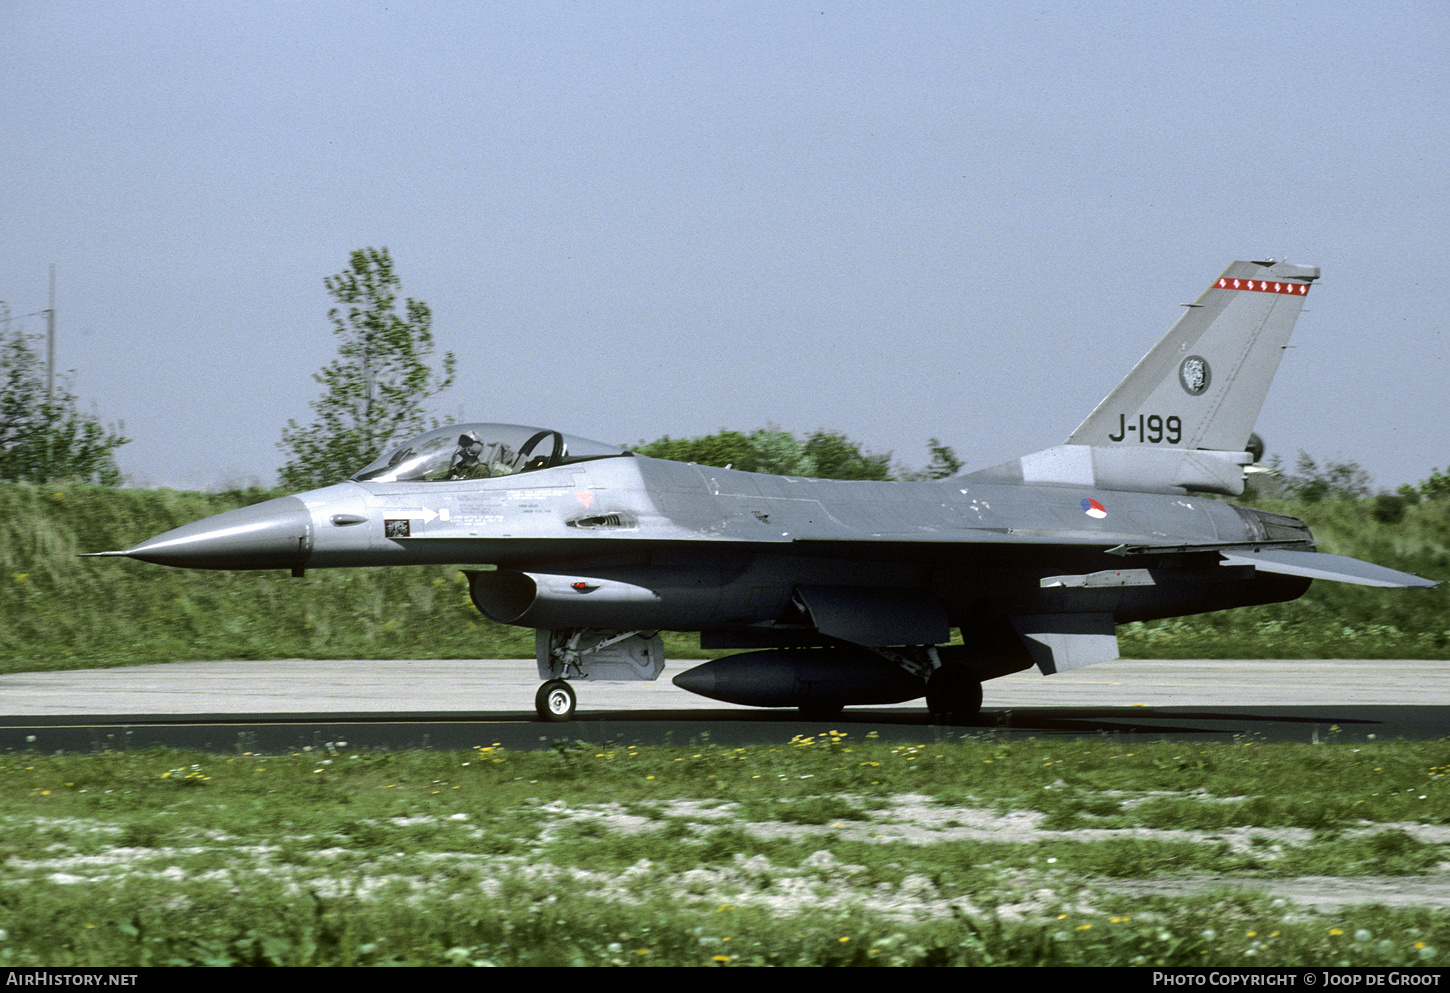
1150	428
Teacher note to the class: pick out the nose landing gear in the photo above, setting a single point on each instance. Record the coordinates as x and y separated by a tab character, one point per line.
555	701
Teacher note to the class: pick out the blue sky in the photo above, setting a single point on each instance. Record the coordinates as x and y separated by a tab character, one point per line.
899	221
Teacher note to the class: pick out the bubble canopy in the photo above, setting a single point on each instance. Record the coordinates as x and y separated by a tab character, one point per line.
481	451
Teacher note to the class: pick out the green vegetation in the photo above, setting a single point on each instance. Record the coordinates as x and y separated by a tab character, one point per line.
1332	620
823	455
43	434
820	851
376	386
1437	487
58	611
1311	482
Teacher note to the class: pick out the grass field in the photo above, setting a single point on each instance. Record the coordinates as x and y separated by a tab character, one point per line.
823	851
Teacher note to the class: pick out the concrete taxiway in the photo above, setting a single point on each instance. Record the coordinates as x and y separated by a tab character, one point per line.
296	686
283	705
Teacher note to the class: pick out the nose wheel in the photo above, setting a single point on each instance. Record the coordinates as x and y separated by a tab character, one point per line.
555	701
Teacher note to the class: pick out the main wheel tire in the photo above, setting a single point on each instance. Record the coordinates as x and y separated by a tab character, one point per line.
953	694
555	701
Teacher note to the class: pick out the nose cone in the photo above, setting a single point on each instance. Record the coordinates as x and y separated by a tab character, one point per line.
272	535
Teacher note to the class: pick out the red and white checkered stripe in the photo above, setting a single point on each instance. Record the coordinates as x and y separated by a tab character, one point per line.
1263	286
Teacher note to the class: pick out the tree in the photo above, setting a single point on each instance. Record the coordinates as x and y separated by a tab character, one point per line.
44	438
1437	487
728	448
834	456
824	455
944	463
1312	482
377	385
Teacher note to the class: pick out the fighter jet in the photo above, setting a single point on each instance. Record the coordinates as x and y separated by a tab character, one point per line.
838	593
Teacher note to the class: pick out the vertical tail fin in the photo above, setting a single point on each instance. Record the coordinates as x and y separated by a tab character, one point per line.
1203	385
1182	418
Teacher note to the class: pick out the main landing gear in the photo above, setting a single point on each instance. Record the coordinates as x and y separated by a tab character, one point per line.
556	701
954	694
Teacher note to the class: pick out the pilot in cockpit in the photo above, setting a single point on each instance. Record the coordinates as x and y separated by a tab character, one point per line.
476	459
466	464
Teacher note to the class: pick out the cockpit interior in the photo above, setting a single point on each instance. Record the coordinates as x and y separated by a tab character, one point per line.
481	451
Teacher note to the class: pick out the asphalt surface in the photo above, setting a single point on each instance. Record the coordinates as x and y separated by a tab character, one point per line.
286	704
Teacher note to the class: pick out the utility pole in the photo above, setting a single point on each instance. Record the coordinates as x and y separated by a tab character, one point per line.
50	340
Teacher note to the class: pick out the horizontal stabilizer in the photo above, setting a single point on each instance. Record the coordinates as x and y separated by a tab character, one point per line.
1318	565
1059	642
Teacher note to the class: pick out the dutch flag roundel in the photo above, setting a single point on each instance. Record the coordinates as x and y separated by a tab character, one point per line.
1094	509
